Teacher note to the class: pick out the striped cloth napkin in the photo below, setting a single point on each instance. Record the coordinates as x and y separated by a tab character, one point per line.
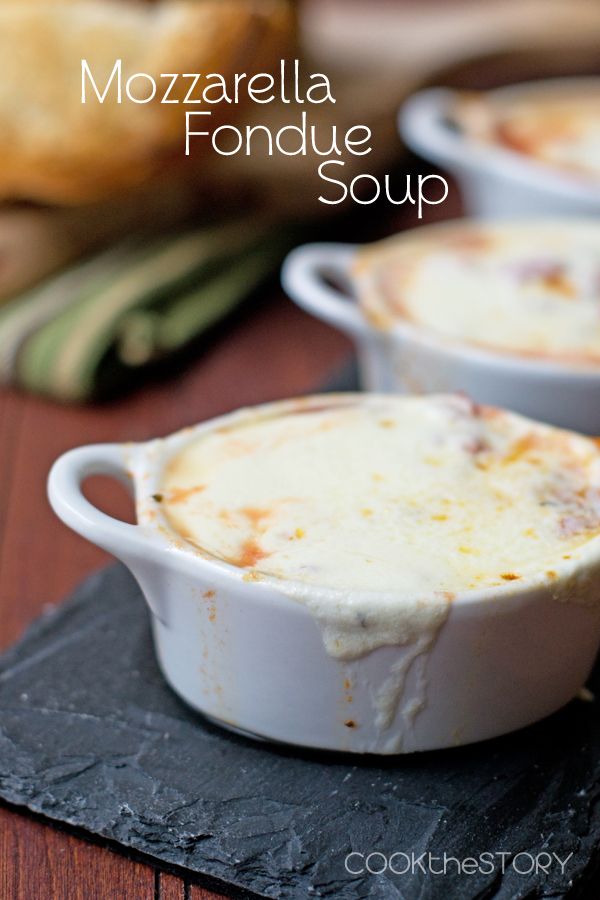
94	325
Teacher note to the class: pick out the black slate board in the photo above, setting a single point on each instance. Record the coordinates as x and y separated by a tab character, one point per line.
91	736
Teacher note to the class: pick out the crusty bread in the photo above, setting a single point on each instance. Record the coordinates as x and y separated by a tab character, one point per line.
55	149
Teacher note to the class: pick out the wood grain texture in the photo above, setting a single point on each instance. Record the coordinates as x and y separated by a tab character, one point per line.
269	352
40	862
198	893
172	888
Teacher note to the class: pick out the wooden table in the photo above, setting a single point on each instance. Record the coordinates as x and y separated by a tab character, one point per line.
270	351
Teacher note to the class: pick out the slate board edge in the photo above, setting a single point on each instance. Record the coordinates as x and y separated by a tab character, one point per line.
122	848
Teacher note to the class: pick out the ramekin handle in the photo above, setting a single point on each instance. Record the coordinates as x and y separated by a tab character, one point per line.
422	124
304	275
70	505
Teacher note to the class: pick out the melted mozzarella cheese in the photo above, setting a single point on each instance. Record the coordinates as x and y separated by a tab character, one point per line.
558	126
532	287
577	148
420	496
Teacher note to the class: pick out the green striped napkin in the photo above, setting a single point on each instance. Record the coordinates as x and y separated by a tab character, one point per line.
102	320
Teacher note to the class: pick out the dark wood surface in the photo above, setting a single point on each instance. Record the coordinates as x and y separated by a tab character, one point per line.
270	351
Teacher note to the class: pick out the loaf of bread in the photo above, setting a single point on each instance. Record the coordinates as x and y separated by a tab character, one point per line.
55	149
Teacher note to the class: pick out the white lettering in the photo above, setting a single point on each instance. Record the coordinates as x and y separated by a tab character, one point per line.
116	72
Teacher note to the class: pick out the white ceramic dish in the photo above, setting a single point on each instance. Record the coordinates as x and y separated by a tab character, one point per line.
494	181
409	359
250	654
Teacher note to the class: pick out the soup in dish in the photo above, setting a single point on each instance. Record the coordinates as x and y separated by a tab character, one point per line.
302	562
525	287
419	496
558	126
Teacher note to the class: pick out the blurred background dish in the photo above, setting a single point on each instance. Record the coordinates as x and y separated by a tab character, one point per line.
505	312
491	183
523	149
553	123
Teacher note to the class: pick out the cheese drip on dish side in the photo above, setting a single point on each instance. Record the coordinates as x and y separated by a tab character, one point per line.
414	495
529	288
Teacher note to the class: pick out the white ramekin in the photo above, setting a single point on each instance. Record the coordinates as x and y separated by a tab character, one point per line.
409	359
250	654
495	181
